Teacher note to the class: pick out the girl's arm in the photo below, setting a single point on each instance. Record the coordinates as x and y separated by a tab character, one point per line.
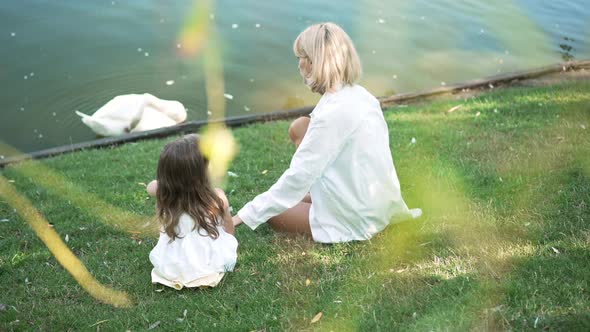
228	224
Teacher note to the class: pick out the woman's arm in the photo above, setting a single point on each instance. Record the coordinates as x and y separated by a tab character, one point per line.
325	136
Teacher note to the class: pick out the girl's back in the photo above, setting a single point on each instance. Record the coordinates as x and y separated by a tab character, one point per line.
196	246
193	259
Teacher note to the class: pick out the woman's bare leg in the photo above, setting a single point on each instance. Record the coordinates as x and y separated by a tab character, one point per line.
298	129
307	198
293	221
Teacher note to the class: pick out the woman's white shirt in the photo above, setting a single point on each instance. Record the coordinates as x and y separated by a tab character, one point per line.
345	163
193	259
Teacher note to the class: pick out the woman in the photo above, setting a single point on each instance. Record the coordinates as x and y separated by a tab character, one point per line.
341	184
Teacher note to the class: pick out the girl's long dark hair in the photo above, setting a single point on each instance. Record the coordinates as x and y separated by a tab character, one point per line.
184	187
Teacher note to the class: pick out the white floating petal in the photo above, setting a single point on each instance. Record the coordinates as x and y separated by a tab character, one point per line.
228	96
454	108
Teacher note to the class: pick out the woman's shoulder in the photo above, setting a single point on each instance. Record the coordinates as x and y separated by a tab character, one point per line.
355	94
347	102
362	95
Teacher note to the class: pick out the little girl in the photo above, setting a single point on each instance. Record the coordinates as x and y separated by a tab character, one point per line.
196	245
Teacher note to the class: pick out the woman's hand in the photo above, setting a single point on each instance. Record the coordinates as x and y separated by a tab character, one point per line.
236	220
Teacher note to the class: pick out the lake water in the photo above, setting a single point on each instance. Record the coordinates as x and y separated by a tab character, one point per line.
60	56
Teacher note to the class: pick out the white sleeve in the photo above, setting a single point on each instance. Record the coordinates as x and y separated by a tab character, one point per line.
322	142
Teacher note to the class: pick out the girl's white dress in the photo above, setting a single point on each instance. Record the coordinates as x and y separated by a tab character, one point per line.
194	259
345	163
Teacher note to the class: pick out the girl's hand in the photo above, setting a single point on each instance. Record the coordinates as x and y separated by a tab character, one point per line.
236	220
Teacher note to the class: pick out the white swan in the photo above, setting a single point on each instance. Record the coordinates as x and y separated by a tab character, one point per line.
133	113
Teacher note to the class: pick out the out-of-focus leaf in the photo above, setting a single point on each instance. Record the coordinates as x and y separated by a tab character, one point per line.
317	317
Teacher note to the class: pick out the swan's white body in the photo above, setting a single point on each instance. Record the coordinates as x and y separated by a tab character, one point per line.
133	113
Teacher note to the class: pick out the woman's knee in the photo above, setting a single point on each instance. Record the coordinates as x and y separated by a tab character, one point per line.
298	128
152	188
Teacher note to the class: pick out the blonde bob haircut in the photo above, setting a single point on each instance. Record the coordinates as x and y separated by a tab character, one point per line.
330	54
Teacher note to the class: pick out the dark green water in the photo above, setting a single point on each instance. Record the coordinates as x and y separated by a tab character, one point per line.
60	56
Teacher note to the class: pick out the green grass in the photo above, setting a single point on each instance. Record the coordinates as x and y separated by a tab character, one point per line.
504	244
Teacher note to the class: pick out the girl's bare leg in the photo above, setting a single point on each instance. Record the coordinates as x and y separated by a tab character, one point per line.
293	221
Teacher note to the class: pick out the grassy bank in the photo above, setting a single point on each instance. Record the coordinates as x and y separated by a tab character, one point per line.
504	182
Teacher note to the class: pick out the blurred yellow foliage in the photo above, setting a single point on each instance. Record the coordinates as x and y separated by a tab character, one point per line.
59	249
219	146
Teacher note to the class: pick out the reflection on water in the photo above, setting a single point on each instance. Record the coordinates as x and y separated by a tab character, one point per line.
59	57
566	49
